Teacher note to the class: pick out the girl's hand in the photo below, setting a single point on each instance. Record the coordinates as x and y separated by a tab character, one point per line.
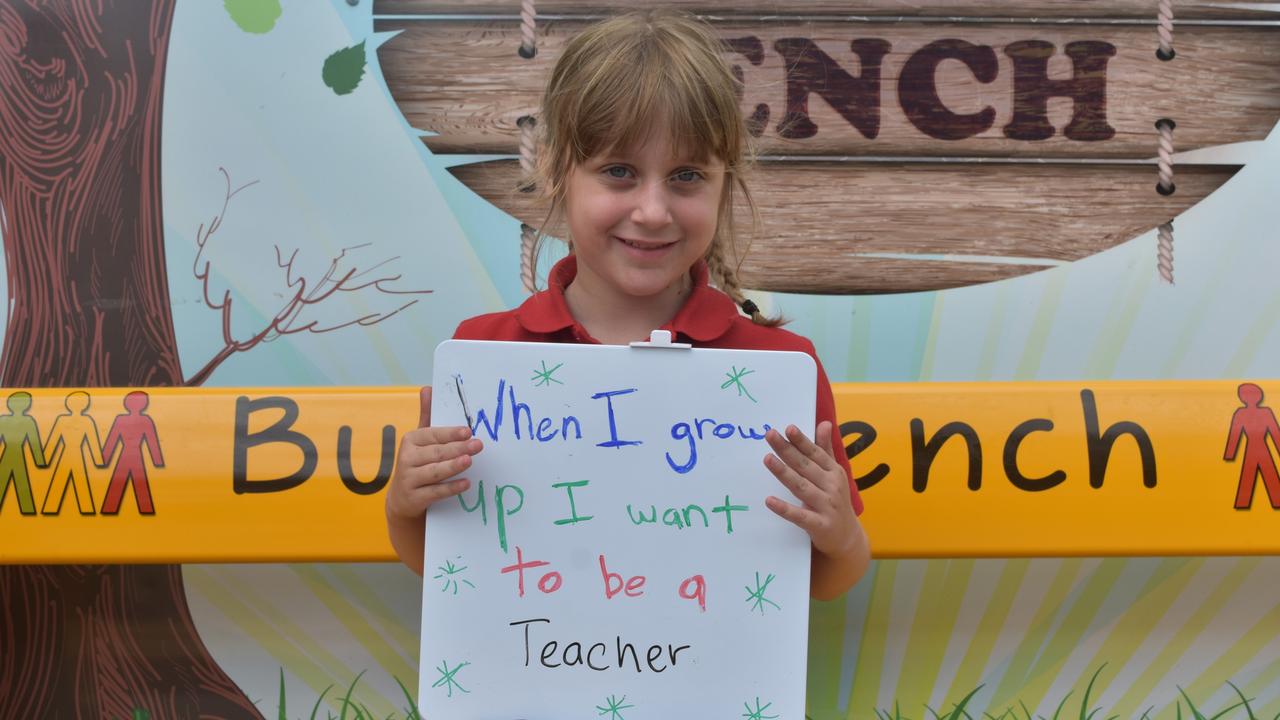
812	474
426	465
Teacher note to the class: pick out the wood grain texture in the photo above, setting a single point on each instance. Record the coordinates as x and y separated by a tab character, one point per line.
465	81
909	8
820	221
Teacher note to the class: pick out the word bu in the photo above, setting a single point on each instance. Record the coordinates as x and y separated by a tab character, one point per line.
810	70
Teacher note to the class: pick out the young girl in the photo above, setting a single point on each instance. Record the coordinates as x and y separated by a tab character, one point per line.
643	150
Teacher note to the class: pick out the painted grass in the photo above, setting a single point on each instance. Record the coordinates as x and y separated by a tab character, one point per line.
1241	709
349	707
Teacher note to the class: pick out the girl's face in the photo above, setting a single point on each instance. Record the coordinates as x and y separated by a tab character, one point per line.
640	218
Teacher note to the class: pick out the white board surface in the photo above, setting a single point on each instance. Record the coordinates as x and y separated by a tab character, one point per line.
625	487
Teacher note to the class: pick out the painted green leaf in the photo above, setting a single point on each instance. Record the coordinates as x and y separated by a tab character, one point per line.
343	69
254	16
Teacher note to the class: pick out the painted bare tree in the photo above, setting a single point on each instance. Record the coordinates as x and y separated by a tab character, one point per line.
81	89
343	274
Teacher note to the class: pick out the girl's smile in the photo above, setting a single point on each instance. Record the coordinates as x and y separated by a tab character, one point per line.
646	248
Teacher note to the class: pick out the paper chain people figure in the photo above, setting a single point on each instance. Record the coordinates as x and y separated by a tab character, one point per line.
1255	422
73	434
129	432
69	437
18	430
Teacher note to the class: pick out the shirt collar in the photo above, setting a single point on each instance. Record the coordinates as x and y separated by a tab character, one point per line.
706	315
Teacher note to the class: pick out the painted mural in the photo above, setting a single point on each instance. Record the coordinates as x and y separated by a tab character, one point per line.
278	193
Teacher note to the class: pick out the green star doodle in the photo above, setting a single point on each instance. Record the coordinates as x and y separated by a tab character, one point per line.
614	706
758	712
447	678
735	380
447	572
758	594
544	377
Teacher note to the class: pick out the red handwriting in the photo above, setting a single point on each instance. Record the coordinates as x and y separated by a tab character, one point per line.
632	588
695	588
548	583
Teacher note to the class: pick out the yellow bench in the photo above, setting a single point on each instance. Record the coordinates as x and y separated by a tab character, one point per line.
948	470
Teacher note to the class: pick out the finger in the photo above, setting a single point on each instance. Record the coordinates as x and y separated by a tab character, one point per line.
802	518
826	438
424	436
415	456
821	458
424	407
411	478
790	454
432	494
827	442
804	490
437	473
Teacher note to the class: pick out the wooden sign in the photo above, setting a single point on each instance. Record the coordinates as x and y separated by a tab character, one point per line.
1071	89
947	469
1007	90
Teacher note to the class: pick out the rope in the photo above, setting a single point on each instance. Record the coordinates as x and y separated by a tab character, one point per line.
1164	159
1164	20
528	23
1164	252
528	234
526	123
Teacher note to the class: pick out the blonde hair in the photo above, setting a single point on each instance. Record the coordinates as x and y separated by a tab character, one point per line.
607	89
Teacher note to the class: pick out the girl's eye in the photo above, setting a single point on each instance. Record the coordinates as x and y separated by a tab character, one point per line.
617	171
687	176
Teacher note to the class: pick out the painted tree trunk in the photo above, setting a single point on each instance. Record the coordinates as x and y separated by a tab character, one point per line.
81	88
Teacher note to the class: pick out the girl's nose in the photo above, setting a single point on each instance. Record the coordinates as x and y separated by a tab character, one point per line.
652	208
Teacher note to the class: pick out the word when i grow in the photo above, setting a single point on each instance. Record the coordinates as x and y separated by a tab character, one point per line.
510	418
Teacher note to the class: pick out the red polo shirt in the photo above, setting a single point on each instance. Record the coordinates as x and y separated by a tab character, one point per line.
708	319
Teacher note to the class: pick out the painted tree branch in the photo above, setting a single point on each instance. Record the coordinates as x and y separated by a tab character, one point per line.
343	274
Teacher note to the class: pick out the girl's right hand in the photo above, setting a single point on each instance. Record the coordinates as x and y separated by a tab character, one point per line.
426	467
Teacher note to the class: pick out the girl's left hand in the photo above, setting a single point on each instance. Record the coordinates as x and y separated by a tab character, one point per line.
812	474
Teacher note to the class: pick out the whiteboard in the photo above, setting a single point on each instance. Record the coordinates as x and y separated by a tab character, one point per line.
614	556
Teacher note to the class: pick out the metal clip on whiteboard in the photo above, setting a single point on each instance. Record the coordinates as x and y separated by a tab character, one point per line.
660	339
